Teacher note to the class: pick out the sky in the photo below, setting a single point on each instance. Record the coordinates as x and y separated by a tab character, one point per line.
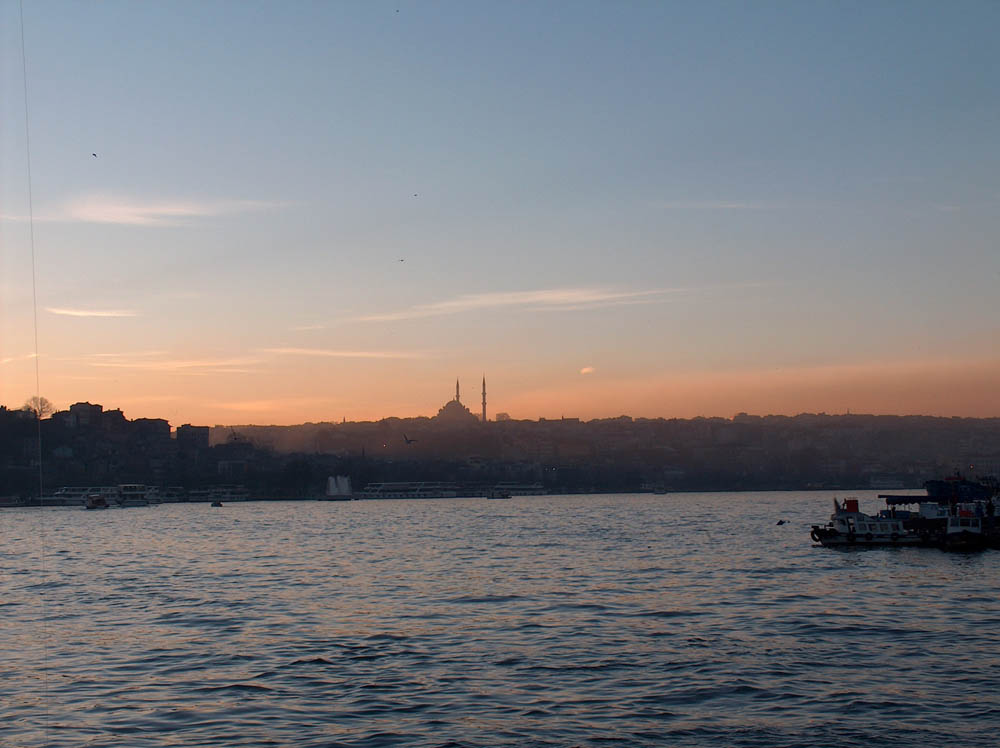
321	210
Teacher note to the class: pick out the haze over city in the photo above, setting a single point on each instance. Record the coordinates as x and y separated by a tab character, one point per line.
254	213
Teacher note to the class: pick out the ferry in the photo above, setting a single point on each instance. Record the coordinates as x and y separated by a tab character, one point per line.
65	496
410	490
132	494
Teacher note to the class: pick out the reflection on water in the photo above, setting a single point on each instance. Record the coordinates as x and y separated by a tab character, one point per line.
688	620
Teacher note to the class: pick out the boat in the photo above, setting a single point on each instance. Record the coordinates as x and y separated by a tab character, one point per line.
96	501
410	490
132	494
216	503
964	533
521	489
498	493
945	524
65	496
848	526
958	488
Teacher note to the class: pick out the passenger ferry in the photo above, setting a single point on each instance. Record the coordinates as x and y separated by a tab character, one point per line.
66	496
410	490
132	494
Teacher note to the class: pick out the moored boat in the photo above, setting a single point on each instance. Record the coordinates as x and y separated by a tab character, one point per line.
950	526
96	501
964	533
848	526
132	494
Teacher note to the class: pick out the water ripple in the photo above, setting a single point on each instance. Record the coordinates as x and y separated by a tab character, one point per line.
557	621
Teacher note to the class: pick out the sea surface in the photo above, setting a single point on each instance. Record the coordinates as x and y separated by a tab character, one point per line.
612	620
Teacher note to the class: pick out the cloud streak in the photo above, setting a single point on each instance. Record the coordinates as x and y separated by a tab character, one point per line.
12	359
328	353
130	211
90	312
553	299
148	362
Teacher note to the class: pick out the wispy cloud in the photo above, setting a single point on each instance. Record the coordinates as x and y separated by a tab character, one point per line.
323	352
129	354
553	299
148	361
12	359
587	370
130	211
91	312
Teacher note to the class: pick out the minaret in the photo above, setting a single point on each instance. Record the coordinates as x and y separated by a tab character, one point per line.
456	392
484	398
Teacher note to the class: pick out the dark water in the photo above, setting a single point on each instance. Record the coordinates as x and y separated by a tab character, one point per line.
682	620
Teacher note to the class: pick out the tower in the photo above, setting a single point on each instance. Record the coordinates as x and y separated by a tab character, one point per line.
484	398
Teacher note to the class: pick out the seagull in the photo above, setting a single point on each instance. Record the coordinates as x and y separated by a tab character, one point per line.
414	194
781	522
408	440
94	155
402	260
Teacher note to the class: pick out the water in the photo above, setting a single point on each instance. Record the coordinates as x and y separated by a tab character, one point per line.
682	620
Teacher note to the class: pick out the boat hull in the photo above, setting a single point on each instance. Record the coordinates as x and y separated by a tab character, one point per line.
833	539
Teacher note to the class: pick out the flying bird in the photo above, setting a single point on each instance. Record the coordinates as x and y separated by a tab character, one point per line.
94	155
408	440
780	522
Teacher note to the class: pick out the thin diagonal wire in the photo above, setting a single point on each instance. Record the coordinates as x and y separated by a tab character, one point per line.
38	387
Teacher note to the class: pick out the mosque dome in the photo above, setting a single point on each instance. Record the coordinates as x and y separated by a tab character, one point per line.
454	413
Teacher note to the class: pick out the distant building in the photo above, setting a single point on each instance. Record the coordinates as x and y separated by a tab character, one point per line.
192	438
114	421
503	416
453	413
84	415
151	431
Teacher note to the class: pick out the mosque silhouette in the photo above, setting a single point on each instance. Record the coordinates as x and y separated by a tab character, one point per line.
455	413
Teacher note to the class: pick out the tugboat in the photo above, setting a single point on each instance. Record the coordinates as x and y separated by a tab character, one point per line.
96	501
848	526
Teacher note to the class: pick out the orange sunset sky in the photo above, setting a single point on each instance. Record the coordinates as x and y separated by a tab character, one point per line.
238	215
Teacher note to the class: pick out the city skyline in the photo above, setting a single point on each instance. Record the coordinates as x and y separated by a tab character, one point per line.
244	215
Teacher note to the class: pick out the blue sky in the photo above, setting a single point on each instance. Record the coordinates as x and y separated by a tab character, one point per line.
661	193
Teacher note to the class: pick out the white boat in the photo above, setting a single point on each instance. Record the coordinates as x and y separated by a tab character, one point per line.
132	494
964	533
410	490
848	526
66	496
